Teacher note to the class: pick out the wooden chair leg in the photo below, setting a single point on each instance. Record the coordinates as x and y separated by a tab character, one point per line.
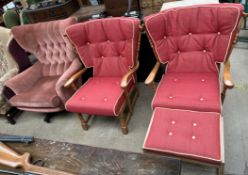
123	123
84	123
221	169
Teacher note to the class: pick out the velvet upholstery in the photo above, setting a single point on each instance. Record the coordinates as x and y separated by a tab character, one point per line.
40	87
109	46
192	40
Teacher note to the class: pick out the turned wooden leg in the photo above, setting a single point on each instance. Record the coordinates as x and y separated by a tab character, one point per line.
123	123
221	169
83	121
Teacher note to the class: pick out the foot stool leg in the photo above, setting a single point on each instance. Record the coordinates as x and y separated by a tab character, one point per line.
123	123
83	121
221	169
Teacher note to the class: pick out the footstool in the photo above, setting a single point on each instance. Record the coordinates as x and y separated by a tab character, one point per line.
192	136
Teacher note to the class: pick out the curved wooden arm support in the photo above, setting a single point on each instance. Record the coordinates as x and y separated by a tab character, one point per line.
74	77
228	83
150	79
125	78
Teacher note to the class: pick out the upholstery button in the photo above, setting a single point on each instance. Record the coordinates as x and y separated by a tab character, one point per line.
204	51
175	79
105	99
218	33
170	134
165	37
203	80
173	122
88	43
82	98
190	33
178	52
193	137
102	56
201	99
108	41
170	97
194	124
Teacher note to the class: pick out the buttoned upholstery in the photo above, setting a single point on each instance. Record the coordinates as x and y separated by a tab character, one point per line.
193	91
40	88
192	40
99	96
110	47
193	135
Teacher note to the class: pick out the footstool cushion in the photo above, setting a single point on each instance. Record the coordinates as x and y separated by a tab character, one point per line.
183	133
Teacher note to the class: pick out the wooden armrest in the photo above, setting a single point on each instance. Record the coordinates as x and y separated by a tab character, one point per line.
125	78
74	77
150	79
227	75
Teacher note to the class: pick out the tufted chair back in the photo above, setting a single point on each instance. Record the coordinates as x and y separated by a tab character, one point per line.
193	39
45	40
101	45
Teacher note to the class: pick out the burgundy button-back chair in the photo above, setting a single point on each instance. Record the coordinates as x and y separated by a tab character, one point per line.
40	88
111	47
192	42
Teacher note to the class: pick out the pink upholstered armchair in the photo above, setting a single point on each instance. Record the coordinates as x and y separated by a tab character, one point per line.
40	88
193	42
111	47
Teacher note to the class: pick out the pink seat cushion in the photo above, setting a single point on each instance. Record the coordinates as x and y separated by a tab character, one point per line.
191	91
99	96
194	135
42	95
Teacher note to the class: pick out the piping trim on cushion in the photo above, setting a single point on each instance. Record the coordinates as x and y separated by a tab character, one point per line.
114	109
197	6
174	152
99	20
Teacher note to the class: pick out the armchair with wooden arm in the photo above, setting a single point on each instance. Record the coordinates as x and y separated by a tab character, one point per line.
110	46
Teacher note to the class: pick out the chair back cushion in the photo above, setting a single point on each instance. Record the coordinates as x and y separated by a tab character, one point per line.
193	39
109	45
47	42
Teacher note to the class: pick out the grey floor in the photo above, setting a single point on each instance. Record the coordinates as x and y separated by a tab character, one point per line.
105	132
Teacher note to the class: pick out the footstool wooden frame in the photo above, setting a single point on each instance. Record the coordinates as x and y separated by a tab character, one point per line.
192	158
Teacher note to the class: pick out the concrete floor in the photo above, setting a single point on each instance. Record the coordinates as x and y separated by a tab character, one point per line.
105	132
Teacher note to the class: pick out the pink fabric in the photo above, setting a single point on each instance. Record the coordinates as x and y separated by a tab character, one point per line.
99	96
192	91
109	45
42	95
192	39
40	87
46	41
194	135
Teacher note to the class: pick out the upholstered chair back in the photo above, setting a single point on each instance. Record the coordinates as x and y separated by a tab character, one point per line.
193	39
47	42
109	45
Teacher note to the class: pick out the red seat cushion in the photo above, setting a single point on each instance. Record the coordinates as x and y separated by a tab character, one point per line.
194	135
191	91
98	96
